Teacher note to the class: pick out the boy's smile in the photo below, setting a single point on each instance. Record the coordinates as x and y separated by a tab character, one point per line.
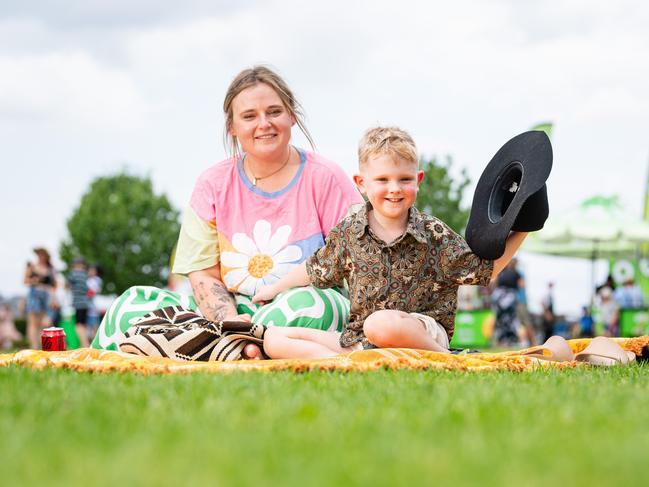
391	184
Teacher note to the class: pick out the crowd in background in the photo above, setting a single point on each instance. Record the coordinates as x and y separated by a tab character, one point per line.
52	298
514	324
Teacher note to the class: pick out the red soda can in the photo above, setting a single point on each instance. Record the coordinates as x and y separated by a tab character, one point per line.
53	339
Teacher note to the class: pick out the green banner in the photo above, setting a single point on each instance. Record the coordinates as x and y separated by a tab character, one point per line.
638	270
544	127
634	322
71	338
473	328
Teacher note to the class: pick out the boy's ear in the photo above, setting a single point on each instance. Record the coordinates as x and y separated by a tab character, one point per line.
420	177
359	180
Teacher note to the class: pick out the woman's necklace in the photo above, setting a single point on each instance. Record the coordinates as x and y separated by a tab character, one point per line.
255	179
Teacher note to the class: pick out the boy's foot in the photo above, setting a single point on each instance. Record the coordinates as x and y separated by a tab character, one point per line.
252	352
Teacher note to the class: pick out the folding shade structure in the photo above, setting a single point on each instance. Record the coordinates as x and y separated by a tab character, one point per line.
599	228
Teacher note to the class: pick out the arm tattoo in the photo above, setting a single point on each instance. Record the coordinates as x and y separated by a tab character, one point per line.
215	302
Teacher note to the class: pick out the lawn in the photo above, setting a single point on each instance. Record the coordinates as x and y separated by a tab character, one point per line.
572	427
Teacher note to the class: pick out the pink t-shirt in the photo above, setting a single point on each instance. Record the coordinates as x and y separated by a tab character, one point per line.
259	237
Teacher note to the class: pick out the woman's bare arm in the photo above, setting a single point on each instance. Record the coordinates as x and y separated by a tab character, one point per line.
214	301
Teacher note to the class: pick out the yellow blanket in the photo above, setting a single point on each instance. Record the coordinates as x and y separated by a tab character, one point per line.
87	359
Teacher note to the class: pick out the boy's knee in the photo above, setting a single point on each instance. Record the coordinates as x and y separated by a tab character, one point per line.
382	328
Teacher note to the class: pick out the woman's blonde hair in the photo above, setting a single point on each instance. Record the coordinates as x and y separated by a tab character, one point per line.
387	140
252	77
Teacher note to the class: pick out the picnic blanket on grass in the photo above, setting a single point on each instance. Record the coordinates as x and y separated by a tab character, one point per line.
92	360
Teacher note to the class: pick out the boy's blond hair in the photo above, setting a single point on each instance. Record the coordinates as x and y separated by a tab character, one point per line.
387	140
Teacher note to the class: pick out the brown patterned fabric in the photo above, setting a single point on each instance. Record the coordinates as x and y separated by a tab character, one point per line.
181	334
418	272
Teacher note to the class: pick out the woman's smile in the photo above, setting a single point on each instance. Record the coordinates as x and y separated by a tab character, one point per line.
266	137
261	122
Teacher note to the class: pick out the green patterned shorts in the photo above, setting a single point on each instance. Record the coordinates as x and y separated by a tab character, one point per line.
307	307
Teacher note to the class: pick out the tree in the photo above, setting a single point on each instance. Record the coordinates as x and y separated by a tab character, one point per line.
125	228
441	196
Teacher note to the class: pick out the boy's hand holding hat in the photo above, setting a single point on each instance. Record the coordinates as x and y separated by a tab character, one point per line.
511	194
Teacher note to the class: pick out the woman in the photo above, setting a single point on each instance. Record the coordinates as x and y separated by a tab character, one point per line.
41	279
251	219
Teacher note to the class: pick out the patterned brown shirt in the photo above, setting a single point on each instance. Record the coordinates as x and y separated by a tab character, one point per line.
418	272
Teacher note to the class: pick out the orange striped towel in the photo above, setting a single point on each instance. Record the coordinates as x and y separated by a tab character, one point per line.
91	360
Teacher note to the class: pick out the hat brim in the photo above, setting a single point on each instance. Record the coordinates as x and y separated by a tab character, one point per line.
511	194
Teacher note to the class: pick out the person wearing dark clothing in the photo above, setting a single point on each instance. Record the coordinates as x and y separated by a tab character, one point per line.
78	283
504	299
586	323
609	282
548	312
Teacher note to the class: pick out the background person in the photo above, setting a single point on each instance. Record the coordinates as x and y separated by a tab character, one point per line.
586	323
60	300
40	276
629	295
94	284
78	283
522	312
548	317
504	300
251	219
609	282
8	332
609	312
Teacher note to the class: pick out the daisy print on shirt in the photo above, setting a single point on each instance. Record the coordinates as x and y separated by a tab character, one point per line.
262	258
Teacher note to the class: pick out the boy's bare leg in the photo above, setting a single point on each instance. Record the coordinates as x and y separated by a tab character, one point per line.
294	342
397	329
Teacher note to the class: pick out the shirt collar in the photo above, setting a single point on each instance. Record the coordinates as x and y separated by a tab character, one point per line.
416	223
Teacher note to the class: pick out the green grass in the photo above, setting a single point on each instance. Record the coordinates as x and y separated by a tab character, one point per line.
574	427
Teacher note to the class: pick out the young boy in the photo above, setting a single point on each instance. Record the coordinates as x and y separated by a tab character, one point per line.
403	267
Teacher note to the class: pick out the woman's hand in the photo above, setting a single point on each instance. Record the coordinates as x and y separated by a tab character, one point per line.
265	294
296	278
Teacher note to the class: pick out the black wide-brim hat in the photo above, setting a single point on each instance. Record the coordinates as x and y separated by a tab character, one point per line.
511	194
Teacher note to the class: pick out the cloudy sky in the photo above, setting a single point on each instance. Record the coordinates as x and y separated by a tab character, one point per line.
90	88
